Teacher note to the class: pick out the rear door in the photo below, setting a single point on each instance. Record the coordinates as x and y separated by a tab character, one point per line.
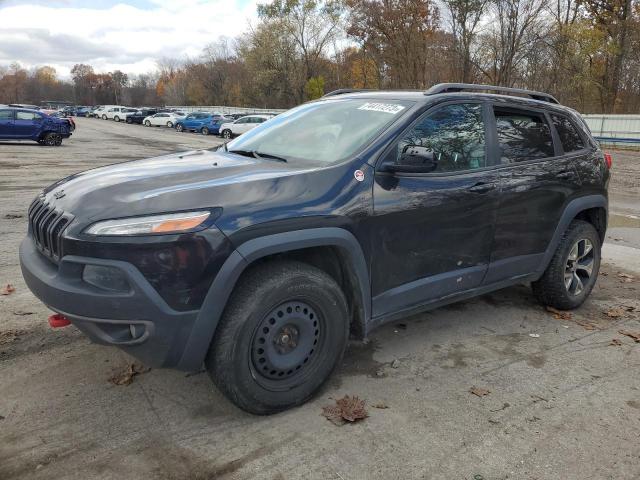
27	124
537	179
6	123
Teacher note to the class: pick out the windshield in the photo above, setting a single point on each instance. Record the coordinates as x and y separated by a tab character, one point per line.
325	131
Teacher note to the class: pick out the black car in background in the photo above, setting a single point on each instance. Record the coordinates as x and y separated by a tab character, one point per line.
140	115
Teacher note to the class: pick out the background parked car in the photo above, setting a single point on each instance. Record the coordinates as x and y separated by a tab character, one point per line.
242	125
93	110
83	111
163	119
202	122
26	124
102	110
139	115
117	113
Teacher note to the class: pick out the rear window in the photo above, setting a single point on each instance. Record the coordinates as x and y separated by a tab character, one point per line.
569	136
6	114
522	136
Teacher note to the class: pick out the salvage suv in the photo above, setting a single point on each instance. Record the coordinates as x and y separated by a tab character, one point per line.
28	124
261	258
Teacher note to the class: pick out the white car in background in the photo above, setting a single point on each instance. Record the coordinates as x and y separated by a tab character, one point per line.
242	125
117	113
99	112
163	119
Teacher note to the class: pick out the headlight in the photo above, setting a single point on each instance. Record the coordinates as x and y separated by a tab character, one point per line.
168	223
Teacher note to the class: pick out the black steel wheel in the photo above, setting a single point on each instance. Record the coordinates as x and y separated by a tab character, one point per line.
284	330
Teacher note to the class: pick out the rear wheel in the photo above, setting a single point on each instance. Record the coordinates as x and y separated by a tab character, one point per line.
283	332
147	123
170	124
205	131
179	127
104	117
129	120
116	119
226	133
573	270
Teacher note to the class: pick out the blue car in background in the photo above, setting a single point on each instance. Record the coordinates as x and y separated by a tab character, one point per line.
202	122
26	124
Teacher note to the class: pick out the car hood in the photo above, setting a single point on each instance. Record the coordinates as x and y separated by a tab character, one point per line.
177	182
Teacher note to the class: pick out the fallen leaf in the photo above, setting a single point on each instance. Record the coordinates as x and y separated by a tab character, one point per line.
625	275
627	333
8	289
615	313
480	392
346	409
615	342
10	336
559	314
126	376
380	405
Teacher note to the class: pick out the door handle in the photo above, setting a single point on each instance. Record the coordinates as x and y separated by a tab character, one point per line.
565	175
482	187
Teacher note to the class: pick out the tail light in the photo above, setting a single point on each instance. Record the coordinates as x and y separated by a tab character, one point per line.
608	160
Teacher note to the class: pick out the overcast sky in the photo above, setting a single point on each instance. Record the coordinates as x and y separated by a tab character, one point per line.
109	34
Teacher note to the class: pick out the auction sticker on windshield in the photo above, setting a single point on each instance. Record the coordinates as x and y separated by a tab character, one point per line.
391	108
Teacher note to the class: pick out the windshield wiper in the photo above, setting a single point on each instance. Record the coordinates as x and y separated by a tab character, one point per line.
258	155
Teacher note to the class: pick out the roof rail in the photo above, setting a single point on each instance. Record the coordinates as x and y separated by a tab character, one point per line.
458	87
342	91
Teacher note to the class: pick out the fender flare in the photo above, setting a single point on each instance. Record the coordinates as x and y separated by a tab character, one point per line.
205	325
573	208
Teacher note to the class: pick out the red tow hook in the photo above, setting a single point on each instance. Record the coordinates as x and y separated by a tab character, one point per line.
57	321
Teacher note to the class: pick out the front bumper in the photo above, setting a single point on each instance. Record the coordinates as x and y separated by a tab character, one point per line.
138	321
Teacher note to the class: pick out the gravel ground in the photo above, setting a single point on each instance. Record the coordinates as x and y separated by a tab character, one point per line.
563	402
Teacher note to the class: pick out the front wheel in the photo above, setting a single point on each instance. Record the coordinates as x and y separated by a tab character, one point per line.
205	131
52	140
147	123
170	124
283	332
104	117
179	127
116	119
573	269
226	134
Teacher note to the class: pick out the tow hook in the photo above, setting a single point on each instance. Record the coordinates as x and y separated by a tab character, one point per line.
58	321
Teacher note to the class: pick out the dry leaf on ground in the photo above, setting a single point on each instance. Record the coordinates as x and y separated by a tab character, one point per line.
559	314
634	335
625	277
8	289
125	377
615	342
346	409
614	313
480	392
380	405
9	336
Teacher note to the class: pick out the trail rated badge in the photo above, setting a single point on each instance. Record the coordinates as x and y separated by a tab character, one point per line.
359	174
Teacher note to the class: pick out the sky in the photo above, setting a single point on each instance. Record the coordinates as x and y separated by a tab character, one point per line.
129	35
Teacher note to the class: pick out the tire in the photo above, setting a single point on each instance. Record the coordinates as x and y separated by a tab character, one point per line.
51	139
204	131
170	124
300	315
116	119
147	123
129	121
104	117
179	127
226	133
573	269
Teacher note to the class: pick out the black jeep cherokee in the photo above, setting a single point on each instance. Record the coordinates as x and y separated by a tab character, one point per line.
260	258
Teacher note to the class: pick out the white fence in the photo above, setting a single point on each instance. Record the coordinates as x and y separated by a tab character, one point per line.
615	129
224	109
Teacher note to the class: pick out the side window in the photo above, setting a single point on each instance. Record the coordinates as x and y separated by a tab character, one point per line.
243	120
569	136
522	135
6	115
453	134
25	116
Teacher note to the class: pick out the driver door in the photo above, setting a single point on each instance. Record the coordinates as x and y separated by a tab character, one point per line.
433	231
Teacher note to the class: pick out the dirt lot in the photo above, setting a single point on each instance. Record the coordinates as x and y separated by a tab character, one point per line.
563	402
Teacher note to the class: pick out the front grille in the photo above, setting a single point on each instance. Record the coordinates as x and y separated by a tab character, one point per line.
46	225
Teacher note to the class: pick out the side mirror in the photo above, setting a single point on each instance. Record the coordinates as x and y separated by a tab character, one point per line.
414	159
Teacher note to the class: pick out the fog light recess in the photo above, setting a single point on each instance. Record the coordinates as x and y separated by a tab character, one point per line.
106	278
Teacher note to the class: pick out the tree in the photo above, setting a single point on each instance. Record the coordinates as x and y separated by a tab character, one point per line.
465	16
